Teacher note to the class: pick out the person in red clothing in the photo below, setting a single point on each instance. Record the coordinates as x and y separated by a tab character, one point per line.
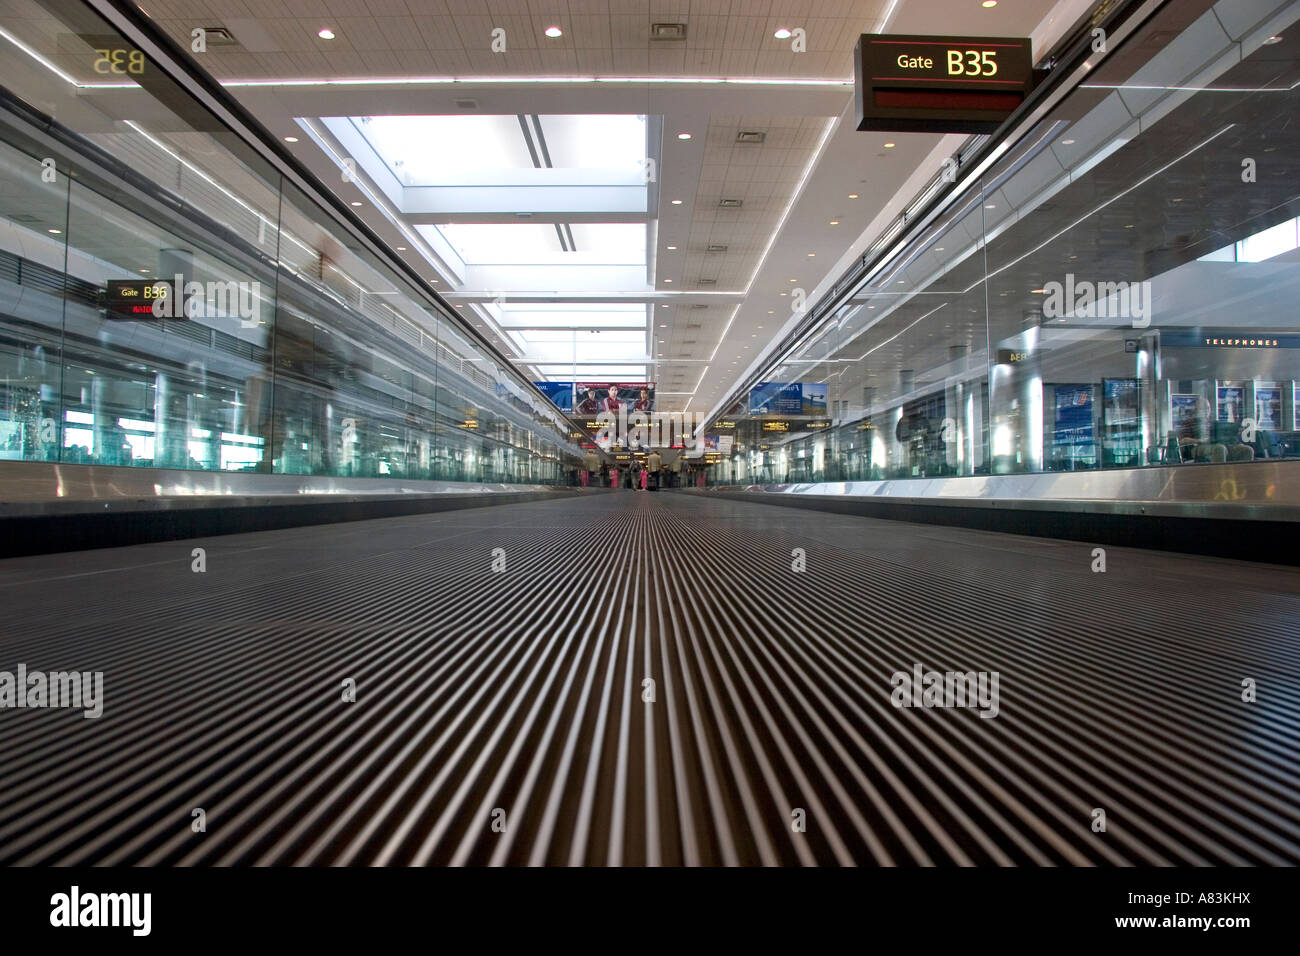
645	403
611	403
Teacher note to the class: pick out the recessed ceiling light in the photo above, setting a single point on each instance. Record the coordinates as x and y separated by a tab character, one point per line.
782	34
400	248
794	280
672	248
683	135
990	206
677	202
853	195
553	32
325	33
668	280
1037	291
145	271
460	307
1271	40
291	139
770	312
938	248
812	255
356	202
989	4
54	232
890	145
835	222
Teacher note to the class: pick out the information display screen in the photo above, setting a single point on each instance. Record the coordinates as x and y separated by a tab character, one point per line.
940	84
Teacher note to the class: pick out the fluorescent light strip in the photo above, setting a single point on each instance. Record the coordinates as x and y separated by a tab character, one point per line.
725	329
794	196
59	73
157	143
697	388
545	80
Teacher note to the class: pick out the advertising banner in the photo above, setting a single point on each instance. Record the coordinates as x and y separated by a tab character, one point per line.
1073	415
788	398
1268	407
592	398
560	394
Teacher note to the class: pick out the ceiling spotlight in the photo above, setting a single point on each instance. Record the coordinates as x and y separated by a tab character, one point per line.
291	139
400	248
782	34
668	280
853	195
677	202
683	135
1067	142
672	248
890	145
54	232
1271	40
325	33
989	4
835	222
812	255
356	202
553	32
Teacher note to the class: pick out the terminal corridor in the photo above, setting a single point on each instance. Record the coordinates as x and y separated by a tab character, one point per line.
650	679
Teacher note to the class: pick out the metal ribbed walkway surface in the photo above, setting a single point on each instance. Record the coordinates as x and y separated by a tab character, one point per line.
520	691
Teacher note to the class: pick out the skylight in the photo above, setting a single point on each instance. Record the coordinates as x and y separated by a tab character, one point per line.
542	243
431	150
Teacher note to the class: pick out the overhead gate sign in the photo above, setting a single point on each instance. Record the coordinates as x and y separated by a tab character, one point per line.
935	84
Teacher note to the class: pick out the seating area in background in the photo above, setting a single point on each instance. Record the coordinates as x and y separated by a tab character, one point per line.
1227	445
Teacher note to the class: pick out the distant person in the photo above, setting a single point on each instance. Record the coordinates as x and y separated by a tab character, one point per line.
1195	430
654	464
611	403
590	465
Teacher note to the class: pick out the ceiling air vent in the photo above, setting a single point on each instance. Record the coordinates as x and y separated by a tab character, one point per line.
698	305
715	247
467	104
668	31
707	282
219	36
730	203
751	136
